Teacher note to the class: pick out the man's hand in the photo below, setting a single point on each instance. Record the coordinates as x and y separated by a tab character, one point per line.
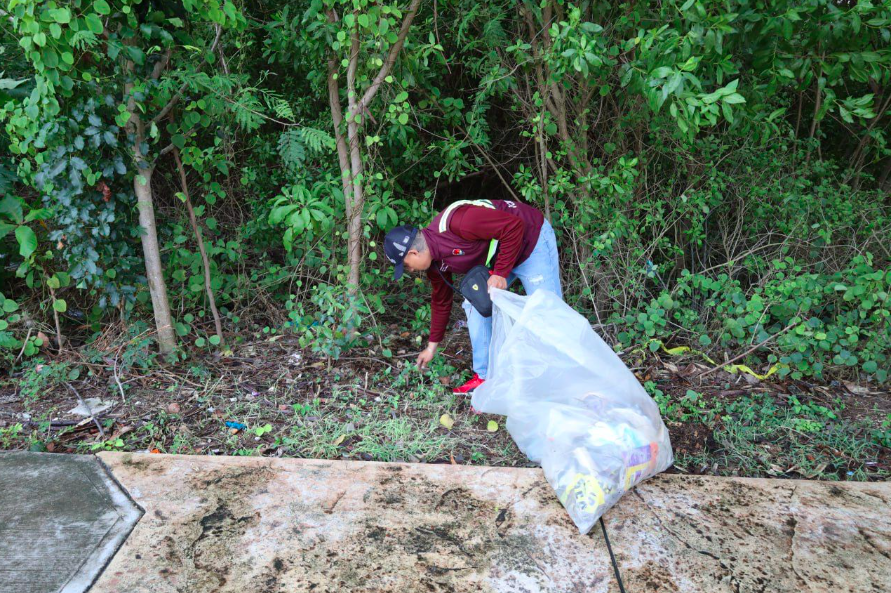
426	355
497	282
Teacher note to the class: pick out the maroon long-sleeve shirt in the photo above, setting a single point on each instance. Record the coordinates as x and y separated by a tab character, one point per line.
465	244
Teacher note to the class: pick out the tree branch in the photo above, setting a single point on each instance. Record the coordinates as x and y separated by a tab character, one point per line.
179	93
391	57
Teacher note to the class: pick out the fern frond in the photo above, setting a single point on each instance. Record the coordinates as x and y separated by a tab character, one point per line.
247	110
83	39
291	149
317	140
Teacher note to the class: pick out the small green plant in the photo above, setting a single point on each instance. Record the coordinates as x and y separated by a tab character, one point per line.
108	445
882	435
261	430
9	435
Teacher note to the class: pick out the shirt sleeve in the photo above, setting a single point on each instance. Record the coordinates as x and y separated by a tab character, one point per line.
440	302
478	223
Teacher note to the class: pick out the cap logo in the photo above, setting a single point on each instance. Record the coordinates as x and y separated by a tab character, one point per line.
400	247
476	287
457	252
405	239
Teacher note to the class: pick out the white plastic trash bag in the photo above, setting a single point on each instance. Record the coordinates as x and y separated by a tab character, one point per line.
571	404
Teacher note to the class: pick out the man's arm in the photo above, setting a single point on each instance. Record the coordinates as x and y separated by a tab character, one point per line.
477	223
440	310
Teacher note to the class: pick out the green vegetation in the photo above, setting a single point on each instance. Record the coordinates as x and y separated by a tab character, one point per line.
187	188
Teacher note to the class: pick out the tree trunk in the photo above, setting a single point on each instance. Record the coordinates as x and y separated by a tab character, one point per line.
354	198
343	156
354	222
211	301
142	186
154	271
818	102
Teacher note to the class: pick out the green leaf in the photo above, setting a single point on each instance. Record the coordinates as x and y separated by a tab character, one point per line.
53	283
27	241
10	306
11	207
101	6
94	24
61	15
200	342
734	98
215	340
60	305
492	426
363	21
446	421
50	58
870	366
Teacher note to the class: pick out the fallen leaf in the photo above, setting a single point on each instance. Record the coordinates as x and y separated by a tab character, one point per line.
452	459
817	471
233	431
339	440
492	426
856	389
154	451
284	407
121	432
445	381
43	338
775	470
446	421
404	334
173	408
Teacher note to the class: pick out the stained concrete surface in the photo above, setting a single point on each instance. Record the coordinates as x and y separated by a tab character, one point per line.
61	519
274	525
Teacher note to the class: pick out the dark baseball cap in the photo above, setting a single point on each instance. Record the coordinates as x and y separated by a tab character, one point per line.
396	245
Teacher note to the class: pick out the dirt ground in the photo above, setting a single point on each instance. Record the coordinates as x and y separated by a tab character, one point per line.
269	397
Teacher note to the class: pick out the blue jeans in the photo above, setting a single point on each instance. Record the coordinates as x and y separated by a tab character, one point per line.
540	270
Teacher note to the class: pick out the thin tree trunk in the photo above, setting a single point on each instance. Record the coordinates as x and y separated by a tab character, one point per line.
818	101
337	119
354	222
142	186
358	109
56	318
154	271
543	153
798	117
204	259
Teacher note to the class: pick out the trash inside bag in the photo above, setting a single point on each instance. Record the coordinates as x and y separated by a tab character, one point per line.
571	404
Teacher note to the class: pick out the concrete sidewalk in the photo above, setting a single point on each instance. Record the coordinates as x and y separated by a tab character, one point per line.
62	517
220	524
